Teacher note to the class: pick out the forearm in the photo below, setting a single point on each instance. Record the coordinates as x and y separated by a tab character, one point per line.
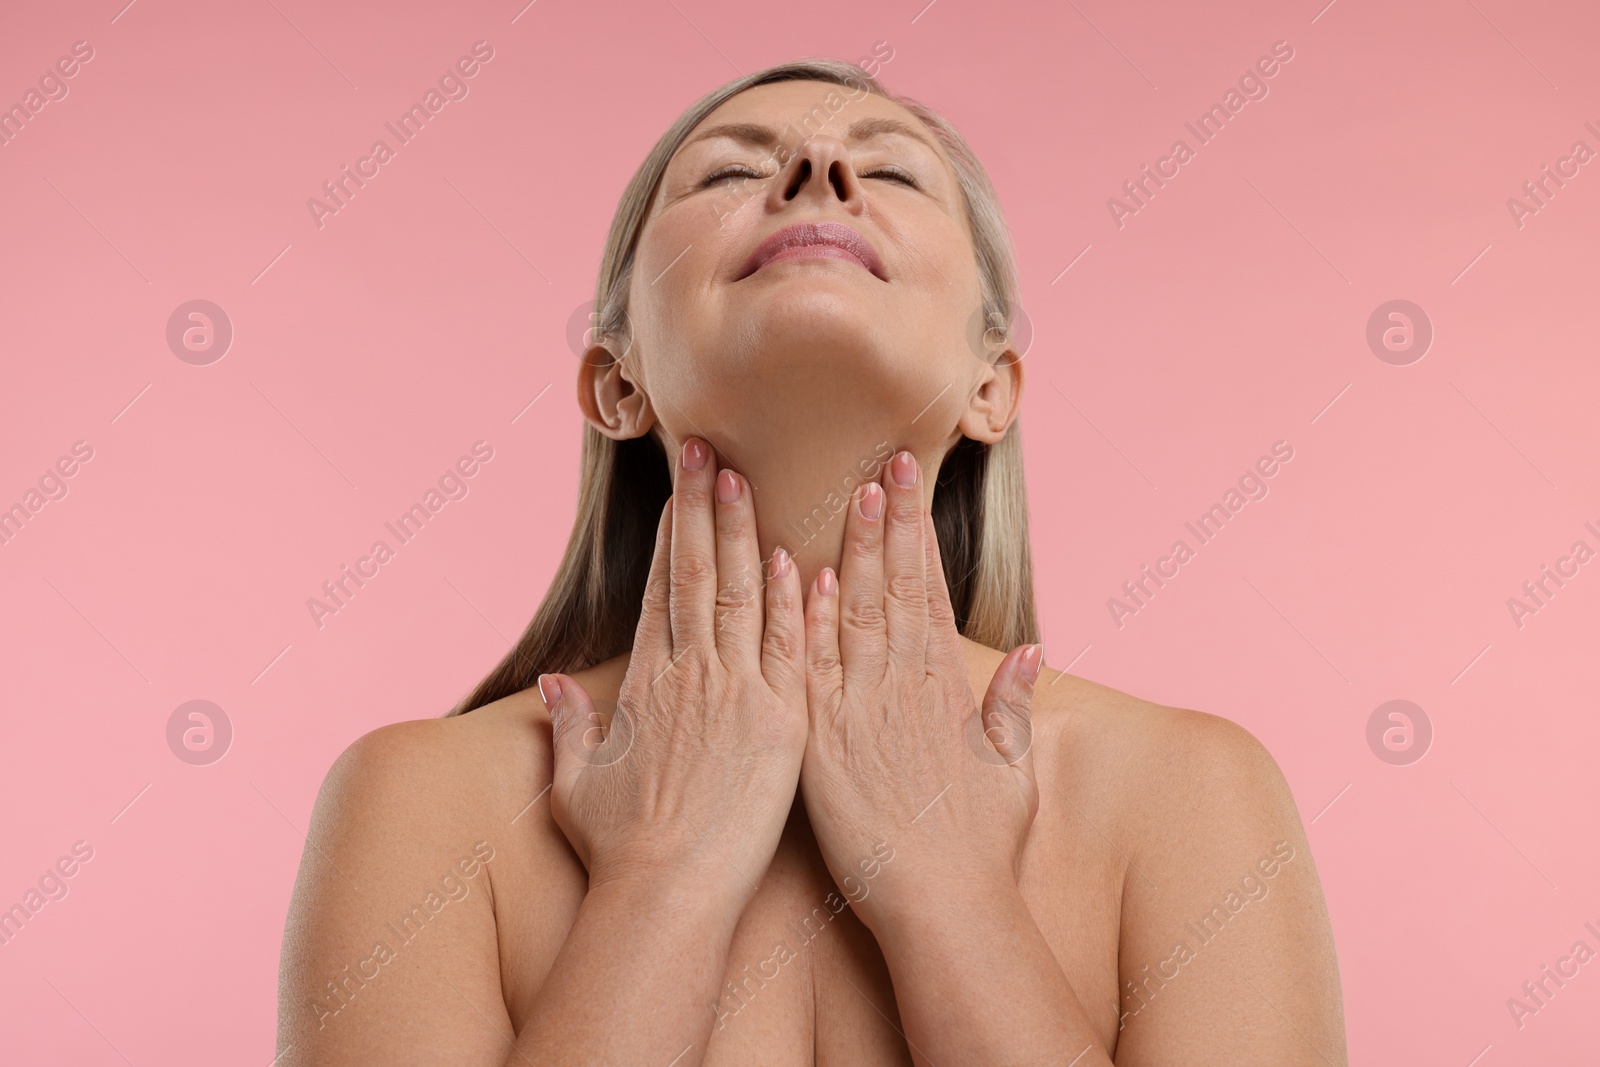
976	982
636	980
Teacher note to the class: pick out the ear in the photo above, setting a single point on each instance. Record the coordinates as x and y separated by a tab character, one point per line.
993	406
609	393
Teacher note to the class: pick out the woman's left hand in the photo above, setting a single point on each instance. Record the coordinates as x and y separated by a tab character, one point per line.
912	808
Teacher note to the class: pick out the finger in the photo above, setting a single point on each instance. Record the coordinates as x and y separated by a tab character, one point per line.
944	638
862	651
1008	703
739	582
693	569
824	673
905	586
783	643
569	707
654	633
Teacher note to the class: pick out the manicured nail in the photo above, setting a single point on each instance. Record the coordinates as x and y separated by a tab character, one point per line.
549	690
1032	660
903	468
694	454
778	566
826	583
871	501
727	487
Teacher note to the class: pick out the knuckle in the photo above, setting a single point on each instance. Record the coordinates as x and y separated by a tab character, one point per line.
906	513
784	644
824	661
693	495
906	588
691	569
861	615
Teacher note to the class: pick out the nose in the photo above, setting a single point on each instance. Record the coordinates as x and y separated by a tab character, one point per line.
819	170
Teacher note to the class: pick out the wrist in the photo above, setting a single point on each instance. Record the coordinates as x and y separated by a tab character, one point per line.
683	893
915	912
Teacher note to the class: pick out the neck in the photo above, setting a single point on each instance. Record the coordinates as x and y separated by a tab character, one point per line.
802	492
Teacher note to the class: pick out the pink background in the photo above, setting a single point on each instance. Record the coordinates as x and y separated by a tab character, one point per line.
1229	313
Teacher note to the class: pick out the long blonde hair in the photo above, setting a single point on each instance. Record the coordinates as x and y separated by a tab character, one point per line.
980	512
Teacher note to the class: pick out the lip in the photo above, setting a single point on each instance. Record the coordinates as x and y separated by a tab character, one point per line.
820	238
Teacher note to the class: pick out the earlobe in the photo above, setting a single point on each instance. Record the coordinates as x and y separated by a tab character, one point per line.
993	406
609	398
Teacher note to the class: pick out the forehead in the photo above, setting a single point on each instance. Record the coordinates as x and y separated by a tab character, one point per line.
786	113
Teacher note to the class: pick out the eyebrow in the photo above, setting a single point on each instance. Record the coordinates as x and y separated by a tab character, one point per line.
761	136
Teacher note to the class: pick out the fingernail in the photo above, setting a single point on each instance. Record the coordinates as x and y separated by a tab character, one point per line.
1032	660
549	690
826	583
871	501
727	487
903	468
694	454
778	566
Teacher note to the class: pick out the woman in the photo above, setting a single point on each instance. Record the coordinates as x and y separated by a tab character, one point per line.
750	811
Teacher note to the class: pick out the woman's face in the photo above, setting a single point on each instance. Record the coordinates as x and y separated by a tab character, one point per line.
807	342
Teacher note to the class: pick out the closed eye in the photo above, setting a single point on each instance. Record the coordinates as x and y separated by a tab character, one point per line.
739	170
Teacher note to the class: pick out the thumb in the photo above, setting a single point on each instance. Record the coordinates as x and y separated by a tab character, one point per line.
570	711
1007	706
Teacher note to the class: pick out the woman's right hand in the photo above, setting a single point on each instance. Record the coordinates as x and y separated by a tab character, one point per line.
698	770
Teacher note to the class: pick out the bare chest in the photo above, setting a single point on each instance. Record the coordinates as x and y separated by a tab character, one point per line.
805	982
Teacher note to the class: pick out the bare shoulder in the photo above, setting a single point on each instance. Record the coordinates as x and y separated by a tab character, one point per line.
414	835
1219	869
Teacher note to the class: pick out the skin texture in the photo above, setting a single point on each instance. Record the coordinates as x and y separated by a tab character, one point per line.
804	820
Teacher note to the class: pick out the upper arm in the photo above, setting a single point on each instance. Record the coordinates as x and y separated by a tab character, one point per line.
1226	954
389	952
